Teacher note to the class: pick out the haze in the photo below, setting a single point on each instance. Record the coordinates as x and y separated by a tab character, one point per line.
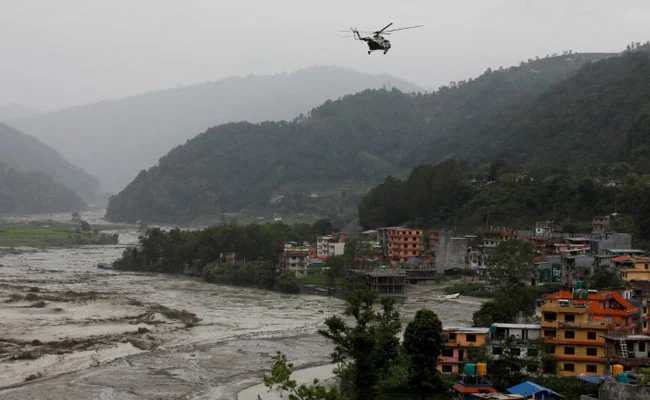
59	54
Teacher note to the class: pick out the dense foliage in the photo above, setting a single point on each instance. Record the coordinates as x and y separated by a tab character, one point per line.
25	153
202	252
367	350
35	192
423	343
322	163
499	194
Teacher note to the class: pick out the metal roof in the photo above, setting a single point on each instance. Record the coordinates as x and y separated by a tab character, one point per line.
517	326
528	389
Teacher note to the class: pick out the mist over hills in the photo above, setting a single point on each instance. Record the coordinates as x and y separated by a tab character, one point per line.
114	140
323	163
13	111
25	153
30	192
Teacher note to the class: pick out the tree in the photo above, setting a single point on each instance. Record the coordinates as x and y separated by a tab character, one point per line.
423	343
365	351
280	380
508	305
511	261
605	278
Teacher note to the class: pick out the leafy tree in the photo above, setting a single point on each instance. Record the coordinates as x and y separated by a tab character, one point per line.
511	262
280	380
604	278
423	343
365	351
509	303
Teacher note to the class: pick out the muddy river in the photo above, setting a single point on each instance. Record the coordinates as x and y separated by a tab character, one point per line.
69	330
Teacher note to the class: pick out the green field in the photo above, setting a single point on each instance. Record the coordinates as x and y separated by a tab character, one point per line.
320	279
46	235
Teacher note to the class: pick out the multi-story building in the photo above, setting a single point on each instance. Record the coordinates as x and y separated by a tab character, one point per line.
434	238
296	259
492	239
574	342
607	306
644	316
631	351
336	249
323	244
600	224
521	341
404	243
459	344
636	269
543	229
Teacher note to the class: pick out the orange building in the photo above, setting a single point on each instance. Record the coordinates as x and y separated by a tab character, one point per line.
404	243
608	307
575	343
459	343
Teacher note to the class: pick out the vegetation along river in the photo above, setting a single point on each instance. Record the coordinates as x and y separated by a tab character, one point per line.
73	331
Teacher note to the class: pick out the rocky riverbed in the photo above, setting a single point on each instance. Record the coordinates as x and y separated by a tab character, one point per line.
72	331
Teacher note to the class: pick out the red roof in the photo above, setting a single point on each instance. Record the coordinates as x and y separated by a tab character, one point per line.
621	259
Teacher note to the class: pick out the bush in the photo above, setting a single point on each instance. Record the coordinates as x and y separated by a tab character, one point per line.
289	283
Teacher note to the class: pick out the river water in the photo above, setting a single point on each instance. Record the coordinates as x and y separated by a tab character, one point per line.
72	331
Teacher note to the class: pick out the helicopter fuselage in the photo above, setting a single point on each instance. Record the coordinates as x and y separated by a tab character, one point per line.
377	43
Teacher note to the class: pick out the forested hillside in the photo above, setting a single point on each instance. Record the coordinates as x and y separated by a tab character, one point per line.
26	153
322	162
114	140
595	117
35	192
450	195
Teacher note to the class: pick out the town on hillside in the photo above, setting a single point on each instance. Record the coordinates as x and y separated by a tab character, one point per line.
592	334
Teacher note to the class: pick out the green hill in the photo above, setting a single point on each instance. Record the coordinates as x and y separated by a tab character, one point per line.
324	162
35	192
27	154
113	140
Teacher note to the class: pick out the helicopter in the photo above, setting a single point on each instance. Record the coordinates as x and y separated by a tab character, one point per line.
377	41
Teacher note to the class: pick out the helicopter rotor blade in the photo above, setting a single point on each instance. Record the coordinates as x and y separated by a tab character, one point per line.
401	29
383	29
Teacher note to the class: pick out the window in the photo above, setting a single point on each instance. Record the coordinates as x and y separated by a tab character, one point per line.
550	317
515	351
592	368
570	318
550	334
471	338
446	369
452	336
497	351
641	346
569	335
532	352
532	367
446	352
591	335
592	351
569	367
569	350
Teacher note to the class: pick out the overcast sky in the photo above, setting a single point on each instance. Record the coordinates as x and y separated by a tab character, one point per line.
55	54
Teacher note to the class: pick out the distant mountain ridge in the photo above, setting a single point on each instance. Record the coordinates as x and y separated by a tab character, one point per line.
114	140
324	162
27	154
13	111
35	192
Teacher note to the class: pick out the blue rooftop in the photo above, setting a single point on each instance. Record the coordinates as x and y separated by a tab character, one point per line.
530	389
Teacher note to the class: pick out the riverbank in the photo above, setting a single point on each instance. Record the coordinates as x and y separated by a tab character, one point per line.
52	234
86	341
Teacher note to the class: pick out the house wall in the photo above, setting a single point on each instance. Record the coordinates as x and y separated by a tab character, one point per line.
451	252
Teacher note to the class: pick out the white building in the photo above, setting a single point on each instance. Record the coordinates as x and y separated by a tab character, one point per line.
522	341
336	249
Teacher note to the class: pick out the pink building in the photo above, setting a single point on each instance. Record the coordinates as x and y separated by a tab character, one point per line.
458	346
